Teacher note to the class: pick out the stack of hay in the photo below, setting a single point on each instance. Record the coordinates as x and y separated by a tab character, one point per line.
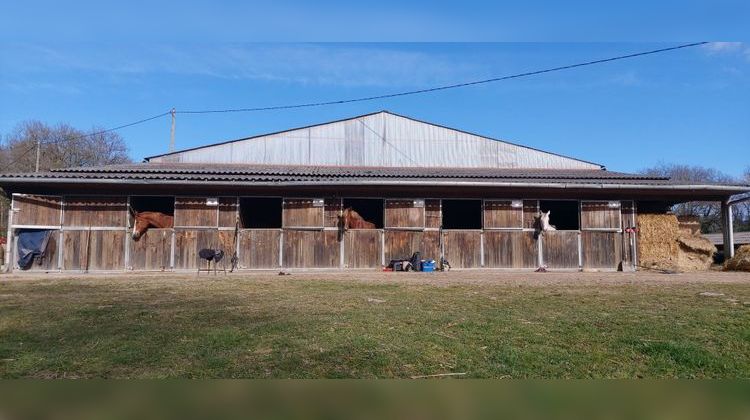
740	261
663	245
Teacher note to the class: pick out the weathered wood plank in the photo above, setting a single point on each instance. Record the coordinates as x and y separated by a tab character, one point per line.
530	210
332	208
404	214
601	250
259	248
94	250
502	214
228	211
188	242
362	248
433	215
560	249
402	244
463	248
628	240
37	210
95	212
599	215
311	249
193	211
303	212
510	249
152	251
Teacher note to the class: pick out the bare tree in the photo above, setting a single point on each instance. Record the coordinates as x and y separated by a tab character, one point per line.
709	212
742	210
61	146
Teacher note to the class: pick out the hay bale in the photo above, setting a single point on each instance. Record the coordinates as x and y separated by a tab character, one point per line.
663	245
690	225
697	244
740	261
657	240
695	253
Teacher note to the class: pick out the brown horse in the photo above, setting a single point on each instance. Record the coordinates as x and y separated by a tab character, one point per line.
350	219
147	219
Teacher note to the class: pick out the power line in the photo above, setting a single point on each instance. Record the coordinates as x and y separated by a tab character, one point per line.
108	129
18	158
64	140
367	98
445	87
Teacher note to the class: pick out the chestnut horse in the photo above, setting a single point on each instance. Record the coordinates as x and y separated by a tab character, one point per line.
350	219
147	219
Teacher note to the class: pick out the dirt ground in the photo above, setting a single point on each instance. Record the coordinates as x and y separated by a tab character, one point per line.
454	277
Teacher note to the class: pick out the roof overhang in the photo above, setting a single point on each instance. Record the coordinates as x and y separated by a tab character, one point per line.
527	188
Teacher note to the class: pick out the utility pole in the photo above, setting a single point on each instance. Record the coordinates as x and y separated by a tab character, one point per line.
171	135
38	152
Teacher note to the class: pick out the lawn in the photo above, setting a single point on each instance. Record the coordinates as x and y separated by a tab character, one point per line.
376	325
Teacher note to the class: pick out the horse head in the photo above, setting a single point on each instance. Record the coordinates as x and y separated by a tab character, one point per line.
140	225
147	219
344	218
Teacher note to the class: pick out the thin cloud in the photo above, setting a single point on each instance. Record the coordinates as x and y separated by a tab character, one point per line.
300	64
723	47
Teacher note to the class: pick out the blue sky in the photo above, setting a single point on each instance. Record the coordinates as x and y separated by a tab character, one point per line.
689	106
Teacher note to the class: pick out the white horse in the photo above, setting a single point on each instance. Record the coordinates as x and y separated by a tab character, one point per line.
544	219
541	224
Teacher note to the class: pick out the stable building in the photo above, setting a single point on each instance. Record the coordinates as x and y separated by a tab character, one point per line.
274	202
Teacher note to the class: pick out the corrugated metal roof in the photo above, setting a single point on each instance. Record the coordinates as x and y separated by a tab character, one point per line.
263	172
740	238
378	139
236	174
252	172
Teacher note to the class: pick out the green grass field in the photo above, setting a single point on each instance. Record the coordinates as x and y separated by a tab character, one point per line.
311	326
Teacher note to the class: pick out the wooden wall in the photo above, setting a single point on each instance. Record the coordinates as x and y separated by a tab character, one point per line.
94	233
601	250
152	251
95	212
600	215
405	214
363	248
510	249
462	248
403	243
601	235
228	216
51	259
503	214
433	217
628	234
310	249
530	210
92	250
189	242
560	249
304	242
195	212
37	210
303	212
259	248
